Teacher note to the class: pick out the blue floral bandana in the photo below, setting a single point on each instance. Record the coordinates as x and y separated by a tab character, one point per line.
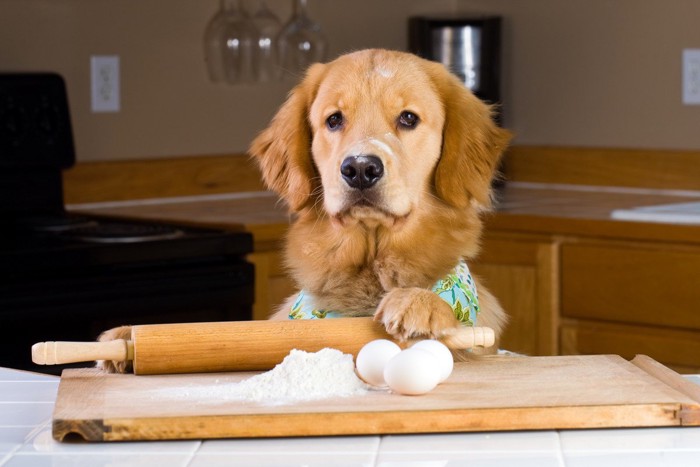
457	288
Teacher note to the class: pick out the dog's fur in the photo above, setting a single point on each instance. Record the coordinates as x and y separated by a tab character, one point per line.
378	251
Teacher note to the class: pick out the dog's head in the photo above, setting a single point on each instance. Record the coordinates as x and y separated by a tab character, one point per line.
374	132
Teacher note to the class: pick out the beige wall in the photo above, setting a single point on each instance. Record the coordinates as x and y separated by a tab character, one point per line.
577	72
598	72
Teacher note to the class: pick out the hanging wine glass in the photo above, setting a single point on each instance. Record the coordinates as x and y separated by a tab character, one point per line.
300	42
239	52
214	44
268	27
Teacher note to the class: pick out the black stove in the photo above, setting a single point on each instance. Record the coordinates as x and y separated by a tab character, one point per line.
69	277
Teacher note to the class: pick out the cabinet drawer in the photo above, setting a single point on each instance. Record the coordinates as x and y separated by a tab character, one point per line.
679	350
636	284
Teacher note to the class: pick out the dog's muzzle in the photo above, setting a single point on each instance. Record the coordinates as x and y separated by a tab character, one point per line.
362	172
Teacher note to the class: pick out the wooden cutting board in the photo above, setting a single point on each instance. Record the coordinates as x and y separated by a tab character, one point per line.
495	393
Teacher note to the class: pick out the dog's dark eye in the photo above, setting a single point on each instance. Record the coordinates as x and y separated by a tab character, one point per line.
408	119
335	121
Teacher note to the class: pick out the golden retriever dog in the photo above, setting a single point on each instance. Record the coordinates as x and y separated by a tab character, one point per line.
386	161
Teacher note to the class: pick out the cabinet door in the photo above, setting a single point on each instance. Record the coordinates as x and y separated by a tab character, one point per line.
636	283
632	298
521	273
676	349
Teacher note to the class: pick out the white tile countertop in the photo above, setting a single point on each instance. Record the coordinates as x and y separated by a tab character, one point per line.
27	400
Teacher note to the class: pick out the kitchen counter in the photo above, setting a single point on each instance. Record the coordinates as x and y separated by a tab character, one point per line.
521	206
27	399
581	210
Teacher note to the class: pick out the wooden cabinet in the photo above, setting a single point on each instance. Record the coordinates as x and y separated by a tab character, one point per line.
571	295
655	284
675	348
631	298
521	271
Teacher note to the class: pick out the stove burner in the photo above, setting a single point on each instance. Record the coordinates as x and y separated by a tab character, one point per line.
57	224
115	232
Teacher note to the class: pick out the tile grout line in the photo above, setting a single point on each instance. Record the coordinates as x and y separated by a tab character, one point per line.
375	453
29	381
26	402
560	452
194	453
32	434
4	460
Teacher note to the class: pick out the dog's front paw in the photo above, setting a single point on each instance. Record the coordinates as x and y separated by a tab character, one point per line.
409	313
110	366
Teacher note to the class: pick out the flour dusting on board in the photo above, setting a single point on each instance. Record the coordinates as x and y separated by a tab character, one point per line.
302	376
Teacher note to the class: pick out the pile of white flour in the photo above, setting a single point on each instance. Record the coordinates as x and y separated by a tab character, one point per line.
302	376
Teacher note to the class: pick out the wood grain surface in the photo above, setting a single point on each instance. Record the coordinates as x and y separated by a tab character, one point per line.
619	282
643	168
155	178
493	393
243	345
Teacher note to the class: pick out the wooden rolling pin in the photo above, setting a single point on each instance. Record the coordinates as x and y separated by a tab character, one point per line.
235	345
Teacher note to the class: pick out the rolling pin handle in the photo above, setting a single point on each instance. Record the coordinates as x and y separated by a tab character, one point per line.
56	353
467	337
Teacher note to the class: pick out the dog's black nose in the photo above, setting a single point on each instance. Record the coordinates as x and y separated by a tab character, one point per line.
362	171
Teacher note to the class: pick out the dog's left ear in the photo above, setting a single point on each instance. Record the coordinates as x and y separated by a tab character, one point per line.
472	143
283	149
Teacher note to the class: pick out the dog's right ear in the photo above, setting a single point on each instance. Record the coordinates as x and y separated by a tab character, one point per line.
283	149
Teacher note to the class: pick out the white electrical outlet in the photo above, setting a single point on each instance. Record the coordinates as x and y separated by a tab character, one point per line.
104	77
691	76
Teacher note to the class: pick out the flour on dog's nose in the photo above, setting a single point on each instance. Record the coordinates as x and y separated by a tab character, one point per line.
382	146
372	145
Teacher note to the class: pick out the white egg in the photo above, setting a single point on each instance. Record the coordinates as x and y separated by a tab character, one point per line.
442	353
412	372
372	358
